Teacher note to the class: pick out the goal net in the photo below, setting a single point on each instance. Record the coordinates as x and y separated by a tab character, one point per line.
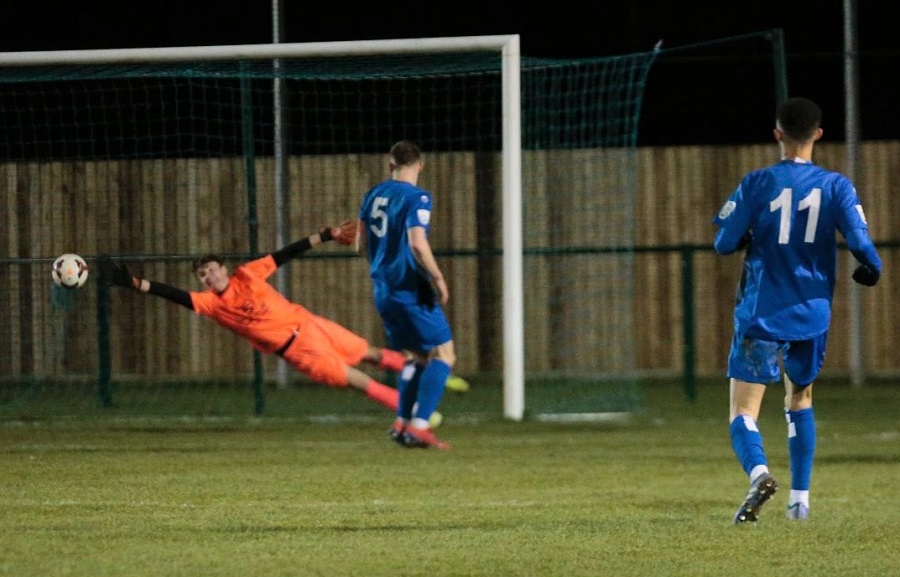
156	156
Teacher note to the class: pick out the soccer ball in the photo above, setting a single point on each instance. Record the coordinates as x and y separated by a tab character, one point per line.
69	271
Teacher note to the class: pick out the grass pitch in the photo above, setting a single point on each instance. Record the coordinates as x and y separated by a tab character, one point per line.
651	496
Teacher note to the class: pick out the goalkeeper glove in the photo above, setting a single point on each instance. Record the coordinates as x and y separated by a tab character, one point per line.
117	274
866	275
346	232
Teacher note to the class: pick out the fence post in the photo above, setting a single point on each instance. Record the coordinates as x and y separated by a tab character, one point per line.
252	221
776	36
104	379
687	303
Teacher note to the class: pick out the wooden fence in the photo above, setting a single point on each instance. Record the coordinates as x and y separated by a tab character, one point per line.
156	214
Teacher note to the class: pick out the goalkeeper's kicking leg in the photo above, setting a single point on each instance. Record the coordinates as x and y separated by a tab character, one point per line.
328	353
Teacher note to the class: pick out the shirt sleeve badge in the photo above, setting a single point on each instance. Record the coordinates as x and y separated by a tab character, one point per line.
727	209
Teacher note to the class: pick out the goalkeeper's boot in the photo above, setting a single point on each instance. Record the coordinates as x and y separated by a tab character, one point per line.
456	384
797	512
761	490
414	437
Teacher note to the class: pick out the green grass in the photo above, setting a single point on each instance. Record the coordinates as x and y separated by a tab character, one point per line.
274	496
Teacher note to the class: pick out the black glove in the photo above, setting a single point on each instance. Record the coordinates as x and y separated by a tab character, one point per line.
866	275
325	233
115	274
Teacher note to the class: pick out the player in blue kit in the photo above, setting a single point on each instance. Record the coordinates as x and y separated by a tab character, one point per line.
786	216
410	291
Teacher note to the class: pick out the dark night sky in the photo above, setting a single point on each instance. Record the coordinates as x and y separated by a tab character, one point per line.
694	96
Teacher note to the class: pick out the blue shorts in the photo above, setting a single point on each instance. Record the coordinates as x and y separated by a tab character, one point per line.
410	326
756	361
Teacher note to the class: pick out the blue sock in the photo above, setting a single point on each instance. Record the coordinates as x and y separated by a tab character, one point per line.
431	387
801	446
408	389
747	443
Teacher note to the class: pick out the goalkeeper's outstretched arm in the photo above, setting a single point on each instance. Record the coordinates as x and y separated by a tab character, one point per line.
119	275
344	233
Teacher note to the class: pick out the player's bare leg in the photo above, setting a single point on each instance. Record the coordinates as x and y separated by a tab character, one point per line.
745	399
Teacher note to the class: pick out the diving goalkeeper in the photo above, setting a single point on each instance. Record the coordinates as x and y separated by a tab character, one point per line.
246	304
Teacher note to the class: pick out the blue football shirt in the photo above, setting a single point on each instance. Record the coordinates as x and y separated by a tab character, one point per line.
387	211
793	210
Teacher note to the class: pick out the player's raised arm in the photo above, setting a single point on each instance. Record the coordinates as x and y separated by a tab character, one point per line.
344	233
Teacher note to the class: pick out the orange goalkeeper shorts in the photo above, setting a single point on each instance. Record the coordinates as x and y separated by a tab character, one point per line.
323	349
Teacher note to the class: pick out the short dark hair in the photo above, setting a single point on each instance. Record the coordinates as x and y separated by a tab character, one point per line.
205	260
799	118
405	153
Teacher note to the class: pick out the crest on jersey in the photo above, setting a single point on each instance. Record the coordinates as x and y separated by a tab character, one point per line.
424	215
727	209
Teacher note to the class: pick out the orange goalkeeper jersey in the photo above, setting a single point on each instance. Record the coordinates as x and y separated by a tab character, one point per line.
252	308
